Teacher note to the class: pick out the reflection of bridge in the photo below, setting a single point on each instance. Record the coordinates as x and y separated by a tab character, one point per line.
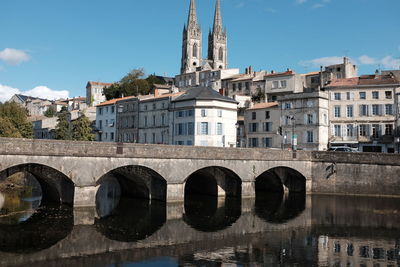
175	237
72	172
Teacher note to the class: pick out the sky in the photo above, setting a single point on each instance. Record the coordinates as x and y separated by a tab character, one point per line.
52	48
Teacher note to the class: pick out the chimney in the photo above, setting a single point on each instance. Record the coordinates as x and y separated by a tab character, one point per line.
247	71
272	71
250	70
156	93
345	60
321	82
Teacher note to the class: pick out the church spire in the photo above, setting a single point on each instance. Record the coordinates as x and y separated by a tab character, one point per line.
192	18
217	18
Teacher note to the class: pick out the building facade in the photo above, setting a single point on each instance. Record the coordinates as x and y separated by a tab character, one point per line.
363	112
262	125
94	93
305	120
203	117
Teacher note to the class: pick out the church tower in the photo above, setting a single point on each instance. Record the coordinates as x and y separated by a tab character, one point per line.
217	44
191	46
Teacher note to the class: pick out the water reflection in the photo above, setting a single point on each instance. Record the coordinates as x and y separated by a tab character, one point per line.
45	227
278	207
132	220
209	213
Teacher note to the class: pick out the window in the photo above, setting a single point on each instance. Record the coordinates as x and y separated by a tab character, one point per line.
338	130
145	121
145	137
375	110
375	130
219	113
100	124
337	96
364	252
348	96
100	111
179	143
112	136
145	107
204	128
163	119
267	126
388	94
267	142
154	106
179	114
190	128
253	127
310	137
350	111
153	138
240	86
195	50
337	111
275	84
234	87
253	142
253	115
180	129
190	113
389	109
221	54
204	113
288	105
283	84
375	95
310	119
350	130
267	116
364	110
219	128
154	120
247	85
388	129
362	95
112	109
363	130
350	249
189	143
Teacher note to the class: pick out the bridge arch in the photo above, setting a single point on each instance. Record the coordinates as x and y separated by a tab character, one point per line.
214	181
56	186
280	179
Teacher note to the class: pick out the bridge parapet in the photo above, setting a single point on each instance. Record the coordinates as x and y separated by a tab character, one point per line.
11	146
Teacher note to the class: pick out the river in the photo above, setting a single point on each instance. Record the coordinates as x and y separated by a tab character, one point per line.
288	230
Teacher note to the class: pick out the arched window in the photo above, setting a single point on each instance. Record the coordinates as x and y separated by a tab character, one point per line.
221	54
195	50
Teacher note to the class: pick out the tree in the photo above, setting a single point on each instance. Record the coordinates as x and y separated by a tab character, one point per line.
131	84
15	120
63	127
50	112
153	79
82	130
258	96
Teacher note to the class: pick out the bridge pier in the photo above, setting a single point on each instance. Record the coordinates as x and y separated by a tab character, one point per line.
85	196
175	192
248	190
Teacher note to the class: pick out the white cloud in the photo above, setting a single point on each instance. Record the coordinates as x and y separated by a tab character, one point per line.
13	56
387	62
323	61
6	92
367	60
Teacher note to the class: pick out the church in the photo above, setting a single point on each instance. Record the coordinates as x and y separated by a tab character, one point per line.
195	70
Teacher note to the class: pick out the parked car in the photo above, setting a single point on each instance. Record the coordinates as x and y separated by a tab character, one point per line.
343	149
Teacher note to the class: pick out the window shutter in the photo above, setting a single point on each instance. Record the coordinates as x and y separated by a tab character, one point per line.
222	127
210	128
332	96
198	128
206	112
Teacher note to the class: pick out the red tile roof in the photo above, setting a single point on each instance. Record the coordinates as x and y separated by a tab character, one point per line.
344	82
112	101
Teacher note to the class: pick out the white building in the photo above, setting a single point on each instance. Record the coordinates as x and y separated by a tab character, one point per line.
106	116
94	93
363	112
203	117
305	116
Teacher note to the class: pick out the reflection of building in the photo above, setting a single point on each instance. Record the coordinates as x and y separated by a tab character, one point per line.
356	252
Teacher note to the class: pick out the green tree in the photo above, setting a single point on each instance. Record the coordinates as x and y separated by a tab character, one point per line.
153	79
258	96
63	127
15	118
7	129
82	130
131	84
50	112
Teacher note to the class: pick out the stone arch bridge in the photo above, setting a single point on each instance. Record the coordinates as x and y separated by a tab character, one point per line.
72	172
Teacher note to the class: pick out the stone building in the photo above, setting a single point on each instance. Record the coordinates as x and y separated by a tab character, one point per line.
203	117
44	127
154	119
363	113
262	125
247	84
94	93
281	83
305	120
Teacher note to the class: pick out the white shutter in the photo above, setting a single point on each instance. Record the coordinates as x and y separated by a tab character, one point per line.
210	130
332	96
198	128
